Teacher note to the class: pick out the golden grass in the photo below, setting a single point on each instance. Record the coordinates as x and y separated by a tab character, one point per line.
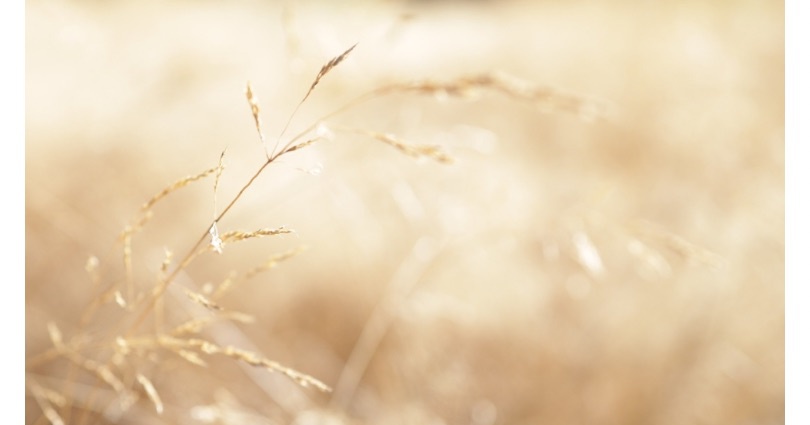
610	253
121	344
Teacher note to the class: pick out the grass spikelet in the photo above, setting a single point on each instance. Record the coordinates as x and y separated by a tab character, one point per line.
415	151
55	335
196	325
302	144
587	255
254	359
103	372
167	261
220	169
251	358
273	262
151	392
236	236
203	301
554	99
225	285
181	183
122	345
652	262
119	299
191	357
686	249
192	326
91	267
253	101
326	68
549	98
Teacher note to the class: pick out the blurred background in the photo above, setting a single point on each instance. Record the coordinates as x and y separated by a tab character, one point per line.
624	268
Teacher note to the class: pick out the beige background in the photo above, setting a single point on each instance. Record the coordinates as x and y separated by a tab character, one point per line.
562	270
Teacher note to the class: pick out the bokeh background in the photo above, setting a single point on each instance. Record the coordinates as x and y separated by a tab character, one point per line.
622	269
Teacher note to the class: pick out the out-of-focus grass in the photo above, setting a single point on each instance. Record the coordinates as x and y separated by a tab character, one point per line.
620	271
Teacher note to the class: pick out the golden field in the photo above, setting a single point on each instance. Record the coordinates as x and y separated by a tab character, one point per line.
606	245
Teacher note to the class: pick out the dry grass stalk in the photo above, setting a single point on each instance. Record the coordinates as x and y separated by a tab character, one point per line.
402	283
45	399
130	283
54	397
110	294
126	241
220	169
101	371
145	215
550	98
121	344
137	225
104	373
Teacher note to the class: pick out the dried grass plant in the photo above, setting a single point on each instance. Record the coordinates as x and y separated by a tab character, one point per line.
469	247
106	372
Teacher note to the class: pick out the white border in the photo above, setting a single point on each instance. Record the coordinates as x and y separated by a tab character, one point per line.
12	109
